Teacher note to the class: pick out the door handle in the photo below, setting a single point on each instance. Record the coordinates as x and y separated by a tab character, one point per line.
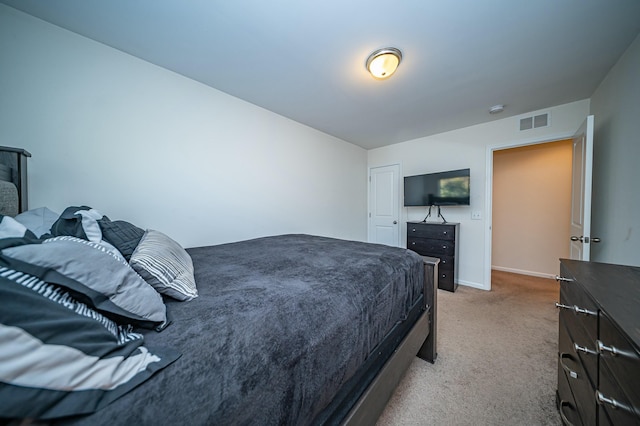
585	239
395	222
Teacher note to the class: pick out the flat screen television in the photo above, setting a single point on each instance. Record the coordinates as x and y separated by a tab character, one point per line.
449	188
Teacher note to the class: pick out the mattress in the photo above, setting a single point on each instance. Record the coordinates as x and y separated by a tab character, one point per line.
281	324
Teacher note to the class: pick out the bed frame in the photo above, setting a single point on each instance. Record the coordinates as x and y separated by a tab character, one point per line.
421	341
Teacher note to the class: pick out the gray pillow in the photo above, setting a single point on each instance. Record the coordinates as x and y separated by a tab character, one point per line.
38	220
98	277
164	264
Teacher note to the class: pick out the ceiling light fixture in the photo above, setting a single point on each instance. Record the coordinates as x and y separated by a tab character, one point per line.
383	62
496	109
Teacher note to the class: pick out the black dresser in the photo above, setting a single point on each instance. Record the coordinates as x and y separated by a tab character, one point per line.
599	344
435	239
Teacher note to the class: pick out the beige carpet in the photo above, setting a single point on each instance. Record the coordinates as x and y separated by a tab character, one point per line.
497	359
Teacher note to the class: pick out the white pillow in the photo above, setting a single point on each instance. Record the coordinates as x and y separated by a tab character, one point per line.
11	228
38	220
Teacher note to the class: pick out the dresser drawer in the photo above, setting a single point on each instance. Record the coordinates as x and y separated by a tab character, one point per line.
434	231
582	389
581	344
445	280
432	248
446	263
566	403
614	406
575	300
620	358
579	314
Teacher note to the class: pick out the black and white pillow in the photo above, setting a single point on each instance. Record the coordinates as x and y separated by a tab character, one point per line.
164	264
94	275
61	358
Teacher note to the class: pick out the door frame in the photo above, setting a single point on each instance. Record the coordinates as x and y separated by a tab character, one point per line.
402	213
488	235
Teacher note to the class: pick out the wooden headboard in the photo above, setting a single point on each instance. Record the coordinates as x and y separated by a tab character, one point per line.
13	169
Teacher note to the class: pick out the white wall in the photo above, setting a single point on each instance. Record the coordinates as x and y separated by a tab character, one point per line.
531	208
146	145
472	147
616	172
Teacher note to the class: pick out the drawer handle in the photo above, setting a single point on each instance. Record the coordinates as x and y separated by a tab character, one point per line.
565	420
584	311
584	349
604	400
601	399
567	280
569	371
444	275
413	229
561	306
444	233
603	349
444	247
576	309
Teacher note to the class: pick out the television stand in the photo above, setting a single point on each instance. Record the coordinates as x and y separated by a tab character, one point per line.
439	215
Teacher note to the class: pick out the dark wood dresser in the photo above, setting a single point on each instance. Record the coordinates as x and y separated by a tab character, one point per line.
439	240
599	344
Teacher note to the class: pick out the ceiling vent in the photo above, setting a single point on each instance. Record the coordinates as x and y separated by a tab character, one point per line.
535	121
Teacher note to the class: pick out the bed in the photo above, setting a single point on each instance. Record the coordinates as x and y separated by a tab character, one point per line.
287	329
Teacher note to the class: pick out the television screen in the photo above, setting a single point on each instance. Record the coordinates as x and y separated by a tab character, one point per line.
437	189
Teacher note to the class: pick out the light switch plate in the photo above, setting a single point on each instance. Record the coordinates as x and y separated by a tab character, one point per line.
476	215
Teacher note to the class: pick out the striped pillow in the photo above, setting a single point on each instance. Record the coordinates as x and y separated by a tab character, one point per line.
164	264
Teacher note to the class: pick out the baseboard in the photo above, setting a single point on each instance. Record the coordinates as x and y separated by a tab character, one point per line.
523	272
473	284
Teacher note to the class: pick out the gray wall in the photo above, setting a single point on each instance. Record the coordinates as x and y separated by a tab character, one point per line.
616	163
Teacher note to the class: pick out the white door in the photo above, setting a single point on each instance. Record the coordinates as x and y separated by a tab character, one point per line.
581	191
384	207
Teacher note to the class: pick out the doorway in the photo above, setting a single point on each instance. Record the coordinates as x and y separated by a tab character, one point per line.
488	261
531	208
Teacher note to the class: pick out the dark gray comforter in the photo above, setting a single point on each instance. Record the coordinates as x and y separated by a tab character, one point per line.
280	324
